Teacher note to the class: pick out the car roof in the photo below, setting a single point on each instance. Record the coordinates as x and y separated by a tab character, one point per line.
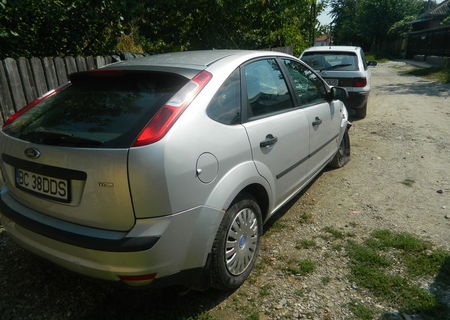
333	48
186	63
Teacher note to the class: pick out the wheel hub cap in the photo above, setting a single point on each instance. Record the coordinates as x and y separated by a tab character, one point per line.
242	241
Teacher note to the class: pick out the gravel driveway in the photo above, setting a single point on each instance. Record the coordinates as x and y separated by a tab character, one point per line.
398	179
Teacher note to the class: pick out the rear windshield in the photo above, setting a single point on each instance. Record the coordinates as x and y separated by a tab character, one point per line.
338	61
104	109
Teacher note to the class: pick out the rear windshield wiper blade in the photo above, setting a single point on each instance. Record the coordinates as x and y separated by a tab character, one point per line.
337	66
59	138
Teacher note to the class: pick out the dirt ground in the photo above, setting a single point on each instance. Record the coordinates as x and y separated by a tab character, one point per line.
398	179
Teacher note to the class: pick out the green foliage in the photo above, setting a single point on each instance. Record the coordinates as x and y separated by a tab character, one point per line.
371	269
59	27
334	232
91	27
305	244
377	57
360	311
401	28
367	22
301	267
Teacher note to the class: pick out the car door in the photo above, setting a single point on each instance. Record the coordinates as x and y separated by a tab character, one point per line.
278	131
323	115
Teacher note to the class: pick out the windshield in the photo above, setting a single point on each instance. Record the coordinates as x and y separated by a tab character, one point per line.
336	61
105	111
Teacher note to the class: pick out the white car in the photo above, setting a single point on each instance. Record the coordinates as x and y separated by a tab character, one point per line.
343	66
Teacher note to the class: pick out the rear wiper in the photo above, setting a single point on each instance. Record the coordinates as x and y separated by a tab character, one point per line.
58	138
337	66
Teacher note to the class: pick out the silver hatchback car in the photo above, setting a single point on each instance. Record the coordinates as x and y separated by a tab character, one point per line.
162	170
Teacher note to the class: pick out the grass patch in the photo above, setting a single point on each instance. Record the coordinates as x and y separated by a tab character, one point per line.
408	182
305	244
383	239
254	315
326	237
371	268
364	256
377	57
425	263
202	316
264	291
299	293
301	267
305	218
360	311
433	73
334	232
325	280
337	247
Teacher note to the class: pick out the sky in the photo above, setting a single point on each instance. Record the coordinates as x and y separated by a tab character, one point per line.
325	19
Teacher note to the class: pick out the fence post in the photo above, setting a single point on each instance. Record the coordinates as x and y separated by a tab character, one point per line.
90	63
27	79
15	83
50	73
70	65
60	71
81	63
6	102
39	77
99	61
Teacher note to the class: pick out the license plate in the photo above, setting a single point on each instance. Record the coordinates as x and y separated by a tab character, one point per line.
332	82
45	186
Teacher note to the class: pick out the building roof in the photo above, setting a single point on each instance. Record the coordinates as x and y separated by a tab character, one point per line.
441	10
324	37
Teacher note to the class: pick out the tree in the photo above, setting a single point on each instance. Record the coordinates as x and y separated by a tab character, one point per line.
367	22
88	27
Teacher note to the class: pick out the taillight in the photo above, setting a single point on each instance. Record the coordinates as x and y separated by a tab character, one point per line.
32	104
359	82
163	120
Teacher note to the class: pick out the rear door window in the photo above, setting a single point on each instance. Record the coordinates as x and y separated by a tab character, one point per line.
267	92
332	61
102	109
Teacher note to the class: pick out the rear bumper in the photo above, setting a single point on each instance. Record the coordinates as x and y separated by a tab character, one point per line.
183	242
356	100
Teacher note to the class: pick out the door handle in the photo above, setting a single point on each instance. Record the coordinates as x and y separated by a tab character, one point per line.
316	122
270	140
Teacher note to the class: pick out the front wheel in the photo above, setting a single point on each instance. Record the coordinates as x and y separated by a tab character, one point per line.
342	156
237	243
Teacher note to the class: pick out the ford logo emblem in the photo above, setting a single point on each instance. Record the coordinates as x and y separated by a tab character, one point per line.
32	153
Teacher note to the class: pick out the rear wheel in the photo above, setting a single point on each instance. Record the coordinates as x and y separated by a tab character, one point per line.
237	243
342	156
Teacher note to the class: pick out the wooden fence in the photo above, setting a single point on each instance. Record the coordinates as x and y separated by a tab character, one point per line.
23	80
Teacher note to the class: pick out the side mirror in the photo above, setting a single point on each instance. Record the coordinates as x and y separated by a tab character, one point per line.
338	93
372	63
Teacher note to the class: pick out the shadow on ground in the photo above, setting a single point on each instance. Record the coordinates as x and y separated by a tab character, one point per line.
441	291
420	87
33	288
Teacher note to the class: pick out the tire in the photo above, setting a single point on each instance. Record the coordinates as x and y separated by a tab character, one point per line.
361	113
239	233
342	156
